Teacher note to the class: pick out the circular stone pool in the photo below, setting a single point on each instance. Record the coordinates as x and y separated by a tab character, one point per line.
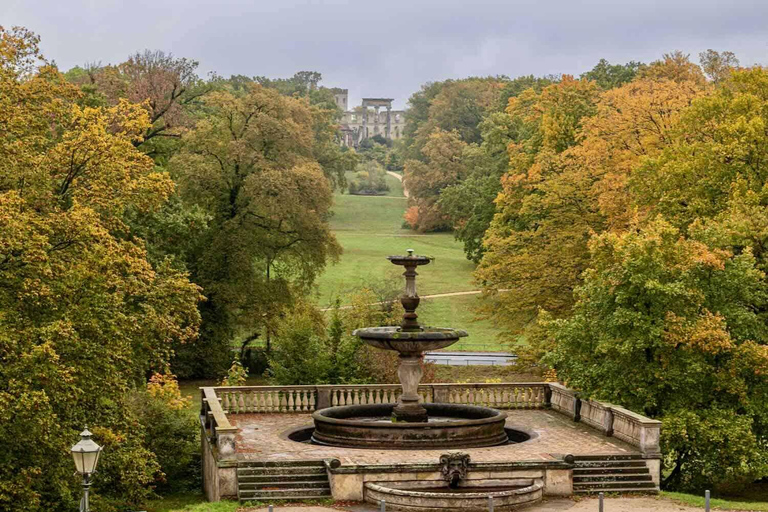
371	426
470	496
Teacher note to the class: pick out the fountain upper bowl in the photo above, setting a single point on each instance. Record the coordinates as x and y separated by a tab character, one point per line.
409	342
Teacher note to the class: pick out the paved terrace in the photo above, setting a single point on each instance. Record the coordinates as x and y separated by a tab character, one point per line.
263	437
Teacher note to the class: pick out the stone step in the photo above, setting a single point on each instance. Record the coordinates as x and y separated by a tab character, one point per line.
287	498
280	464
635	490
610	486
292	470
611	470
277	486
609	463
298	477
612	478
284	494
578	458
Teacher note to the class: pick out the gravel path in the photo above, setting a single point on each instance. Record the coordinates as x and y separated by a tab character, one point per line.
400	179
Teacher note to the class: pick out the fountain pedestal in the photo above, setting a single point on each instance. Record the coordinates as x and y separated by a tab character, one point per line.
408	407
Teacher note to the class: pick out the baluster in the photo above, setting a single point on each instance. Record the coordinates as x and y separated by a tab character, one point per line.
241	401
260	404
282	401
349	397
356	396
505	398
334	397
268	403
304	400
472	397
227	404
290	401
311	401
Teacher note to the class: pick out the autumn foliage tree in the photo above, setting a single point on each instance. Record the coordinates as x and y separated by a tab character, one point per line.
83	314
250	166
425	181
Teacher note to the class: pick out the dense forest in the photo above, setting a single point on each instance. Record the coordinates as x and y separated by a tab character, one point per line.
154	224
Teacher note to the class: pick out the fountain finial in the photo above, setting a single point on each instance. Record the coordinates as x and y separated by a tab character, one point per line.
410	299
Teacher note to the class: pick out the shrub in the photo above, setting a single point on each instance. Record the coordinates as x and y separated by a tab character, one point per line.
170	432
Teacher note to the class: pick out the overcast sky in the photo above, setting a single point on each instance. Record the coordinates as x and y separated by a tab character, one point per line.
388	48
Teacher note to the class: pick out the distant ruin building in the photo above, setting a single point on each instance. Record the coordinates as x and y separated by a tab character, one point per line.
380	119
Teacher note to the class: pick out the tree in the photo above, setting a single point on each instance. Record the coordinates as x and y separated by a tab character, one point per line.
535	245
718	66
83	314
675	66
609	75
453	105
425	181
167	86
719	149
469	204
250	166
670	327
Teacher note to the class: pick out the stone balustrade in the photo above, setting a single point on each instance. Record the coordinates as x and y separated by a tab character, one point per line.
498	396
267	399
611	420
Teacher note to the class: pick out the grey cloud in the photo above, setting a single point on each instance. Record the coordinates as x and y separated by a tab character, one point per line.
389	48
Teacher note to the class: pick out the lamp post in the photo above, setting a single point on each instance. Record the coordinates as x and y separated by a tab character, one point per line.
86	454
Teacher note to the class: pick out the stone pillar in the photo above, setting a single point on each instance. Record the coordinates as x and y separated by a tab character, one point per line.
649	440
225	442
323	397
389	121
364	134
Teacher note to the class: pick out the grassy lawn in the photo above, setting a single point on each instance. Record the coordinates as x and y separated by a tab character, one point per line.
754	498
459	312
369	228
191	502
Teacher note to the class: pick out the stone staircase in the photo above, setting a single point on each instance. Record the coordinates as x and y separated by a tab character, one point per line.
292	481
612	473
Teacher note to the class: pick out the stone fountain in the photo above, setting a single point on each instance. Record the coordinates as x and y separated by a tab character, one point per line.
409	423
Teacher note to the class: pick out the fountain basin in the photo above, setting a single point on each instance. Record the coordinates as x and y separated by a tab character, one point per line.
471	495
371	426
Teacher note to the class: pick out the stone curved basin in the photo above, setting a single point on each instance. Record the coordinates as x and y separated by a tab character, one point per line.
470	496
371	426
409	342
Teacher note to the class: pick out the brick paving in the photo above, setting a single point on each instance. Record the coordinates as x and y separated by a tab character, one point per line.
264	437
